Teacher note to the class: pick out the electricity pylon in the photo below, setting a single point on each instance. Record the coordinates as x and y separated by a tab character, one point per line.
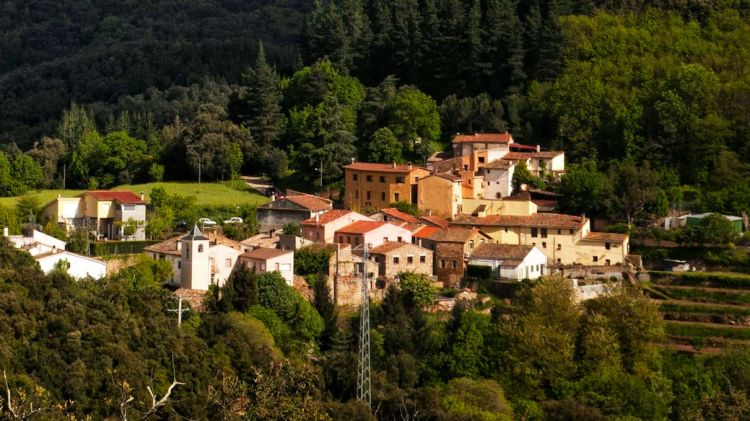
363	365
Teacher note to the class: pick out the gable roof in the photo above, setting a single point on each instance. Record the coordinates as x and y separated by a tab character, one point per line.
362	227
609	237
372	166
308	201
168	246
501	251
543	220
451	234
326	217
402	216
435	220
426	231
124	197
262	253
483	138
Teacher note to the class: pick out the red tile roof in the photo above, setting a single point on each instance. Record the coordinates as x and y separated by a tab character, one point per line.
310	202
124	197
361	227
608	237
517	156
326	217
501	251
371	166
262	253
426	232
483	138
544	220
389	247
436	221
402	216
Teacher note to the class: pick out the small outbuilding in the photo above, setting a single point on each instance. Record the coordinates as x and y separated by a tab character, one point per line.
510	261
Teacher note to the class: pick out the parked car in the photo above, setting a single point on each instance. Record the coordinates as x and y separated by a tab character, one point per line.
206	222
234	220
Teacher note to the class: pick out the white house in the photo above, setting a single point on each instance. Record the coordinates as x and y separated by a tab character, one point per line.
271	260
510	261
36	243
198	260
77	266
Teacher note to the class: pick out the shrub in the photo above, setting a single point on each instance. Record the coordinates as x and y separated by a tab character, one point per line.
480	272
418	287
312	260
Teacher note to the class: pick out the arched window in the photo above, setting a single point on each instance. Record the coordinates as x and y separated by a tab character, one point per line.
200	248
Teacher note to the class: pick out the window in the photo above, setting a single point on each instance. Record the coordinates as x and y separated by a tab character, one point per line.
368	195
399	239
200	248
481	160
559	232
498	196
471	244
559	246
395	260
369	178
607	262
228	263
396	197
572	232
559	261
422	259
400	179
506	229
534	232
607	246
382	196
544	232
442	263
466	168
356	241
409	259
382	179
356	194
355	177
179	264
385	239
454	265
285	267
544	244
596	259
128	208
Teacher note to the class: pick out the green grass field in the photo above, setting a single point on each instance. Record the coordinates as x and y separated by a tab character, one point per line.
209	194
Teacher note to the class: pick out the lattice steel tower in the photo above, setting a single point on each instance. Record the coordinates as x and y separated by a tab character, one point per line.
363	366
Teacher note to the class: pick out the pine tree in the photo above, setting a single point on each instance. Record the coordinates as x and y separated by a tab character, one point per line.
263	99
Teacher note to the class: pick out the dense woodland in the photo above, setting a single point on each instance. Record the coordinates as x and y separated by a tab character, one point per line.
648	99
259	350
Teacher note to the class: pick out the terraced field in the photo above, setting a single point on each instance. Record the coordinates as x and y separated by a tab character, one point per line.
704	311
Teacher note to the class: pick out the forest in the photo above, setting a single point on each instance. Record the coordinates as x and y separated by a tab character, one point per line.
259	350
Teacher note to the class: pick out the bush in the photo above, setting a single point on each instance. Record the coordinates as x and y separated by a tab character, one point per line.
117	247
291	228
312	260
713	279
702	331
418	287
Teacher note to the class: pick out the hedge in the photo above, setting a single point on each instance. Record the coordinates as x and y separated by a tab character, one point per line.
701	331
719	279
106	248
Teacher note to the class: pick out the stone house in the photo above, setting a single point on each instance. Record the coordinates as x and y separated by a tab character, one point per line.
294	208
395	257
452	248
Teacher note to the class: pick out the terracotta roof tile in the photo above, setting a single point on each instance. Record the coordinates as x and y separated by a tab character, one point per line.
262	253
124	197
168	246
609	237
371	166
498	164
326	217
426	232
544	220
402	216
361	227
389	247
517	156
436	221
501	251
483	138
451	235
310	202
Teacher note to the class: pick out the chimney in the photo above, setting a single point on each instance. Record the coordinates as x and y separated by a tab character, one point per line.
59	195
538	148
317	217
178	245
5	231
394	164
143	196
